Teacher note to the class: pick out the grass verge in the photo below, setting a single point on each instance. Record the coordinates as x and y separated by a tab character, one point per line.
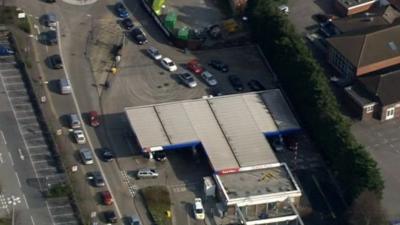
158	202
9	16
5	221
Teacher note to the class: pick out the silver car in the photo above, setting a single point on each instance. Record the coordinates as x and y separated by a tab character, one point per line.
154	53
209	78
188	79
147	173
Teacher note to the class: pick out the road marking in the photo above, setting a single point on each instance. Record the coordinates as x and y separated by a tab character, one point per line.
63	215
11	159
323	196
26	202
21	155
1	158
19	182
84	125
51	215
3	137
33	222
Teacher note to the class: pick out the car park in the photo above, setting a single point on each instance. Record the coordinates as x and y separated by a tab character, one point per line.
127	23
168	64
86	156
106	197
56	62
120	10
139	36
147	173
93	119
154	53
195	67
218	65
198	209
134	220
96	178
209	78
255	85
50	20
74	121
188	79
236	82
107	155
110	217
79	137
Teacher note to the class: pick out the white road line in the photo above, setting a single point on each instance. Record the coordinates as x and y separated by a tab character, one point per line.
26	202
84	125
64	215
51	215
35	146
19	182
33	222
11	159
61	206
2	136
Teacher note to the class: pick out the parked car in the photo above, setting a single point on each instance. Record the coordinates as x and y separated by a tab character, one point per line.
154	53
50	20
218	65
127	23
188	79
147	173
74	121
110	217
198	209
236	82
139	36
65	86
278	144
96	178
5	51
50	37
106	197
134	220
255	85
195	67
214	91
86	156
168	64
159	156
107	155
79	137
94	119
56	61
209	78
120	10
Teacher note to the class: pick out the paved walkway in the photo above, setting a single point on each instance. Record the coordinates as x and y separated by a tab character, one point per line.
80	2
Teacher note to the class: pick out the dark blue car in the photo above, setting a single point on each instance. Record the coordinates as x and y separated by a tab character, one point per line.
121	10
4	51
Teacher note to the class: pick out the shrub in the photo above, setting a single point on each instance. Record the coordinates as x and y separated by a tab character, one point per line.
158	202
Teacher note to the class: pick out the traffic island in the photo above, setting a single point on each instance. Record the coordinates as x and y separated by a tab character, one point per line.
158	203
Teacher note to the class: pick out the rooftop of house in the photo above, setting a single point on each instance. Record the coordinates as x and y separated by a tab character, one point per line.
352	3
368	48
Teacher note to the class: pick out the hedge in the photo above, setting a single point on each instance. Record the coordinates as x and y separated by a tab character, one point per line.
158	202
307	87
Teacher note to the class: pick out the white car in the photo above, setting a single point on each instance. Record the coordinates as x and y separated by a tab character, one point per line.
79	137
209	78
198	209
168	64
154	53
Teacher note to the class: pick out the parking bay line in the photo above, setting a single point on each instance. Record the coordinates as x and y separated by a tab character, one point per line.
19	182
33	221
26	202
4	138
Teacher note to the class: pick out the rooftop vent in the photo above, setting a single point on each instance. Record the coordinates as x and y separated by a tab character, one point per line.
393	46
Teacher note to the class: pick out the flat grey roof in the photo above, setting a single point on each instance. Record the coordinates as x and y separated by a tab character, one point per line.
229	127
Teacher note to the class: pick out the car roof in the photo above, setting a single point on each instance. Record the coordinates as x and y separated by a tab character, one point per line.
166	59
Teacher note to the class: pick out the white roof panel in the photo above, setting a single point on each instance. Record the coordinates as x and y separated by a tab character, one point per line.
260	113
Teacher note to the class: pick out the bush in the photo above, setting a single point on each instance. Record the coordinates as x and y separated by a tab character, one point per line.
59	190
158	202
8	16
308	89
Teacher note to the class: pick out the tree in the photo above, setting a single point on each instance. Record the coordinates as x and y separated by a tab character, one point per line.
367	210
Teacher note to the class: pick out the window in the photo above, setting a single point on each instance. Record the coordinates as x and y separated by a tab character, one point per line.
369	108
389	113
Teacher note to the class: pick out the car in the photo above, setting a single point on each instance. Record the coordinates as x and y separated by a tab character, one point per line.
215	91
110	216
323	18
139	36
50	37
198	209
120	10
159	156
86	156
96	178
134	220
5	51
147	173
278	144
195	67
188	79
209	78
56	62
284	9
106	197
168	64
50	20
74	121
236	82
154	53
107	155
79	137
127	23
218	65
94	119
255	85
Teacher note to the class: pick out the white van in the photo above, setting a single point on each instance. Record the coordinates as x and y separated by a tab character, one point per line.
65	86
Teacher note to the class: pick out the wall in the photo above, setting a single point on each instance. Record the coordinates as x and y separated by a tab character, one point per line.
382	113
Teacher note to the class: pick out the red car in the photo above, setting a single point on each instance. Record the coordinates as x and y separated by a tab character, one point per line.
107	198
195	67
94	119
